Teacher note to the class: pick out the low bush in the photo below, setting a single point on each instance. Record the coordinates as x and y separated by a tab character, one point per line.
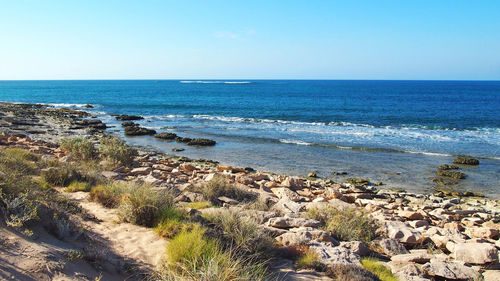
199	205
171	221
109	195
79	148
143	205
192	256
241	234
116	151
377	268
60	176
77	186
218	187
346	225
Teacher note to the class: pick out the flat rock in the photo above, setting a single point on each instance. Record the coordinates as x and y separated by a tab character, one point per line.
392	247
334	255
141	171
475	253
482	232
449	270
282	192
287	206
401	232
284	222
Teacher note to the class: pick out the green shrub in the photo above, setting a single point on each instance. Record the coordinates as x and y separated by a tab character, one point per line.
309	260
77	186
171	221
191	256
79	148
198	205
347	225
109	195
61	176
115	150
377	268
219	186
143	205
18	162
242	234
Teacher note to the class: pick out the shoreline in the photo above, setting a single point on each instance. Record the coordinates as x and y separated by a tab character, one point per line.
462	233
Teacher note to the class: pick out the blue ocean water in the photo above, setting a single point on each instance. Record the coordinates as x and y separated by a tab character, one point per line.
394	131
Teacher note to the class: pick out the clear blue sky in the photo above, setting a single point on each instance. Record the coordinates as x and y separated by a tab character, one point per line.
119	39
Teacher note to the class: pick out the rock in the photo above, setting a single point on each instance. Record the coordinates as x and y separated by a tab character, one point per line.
177	149
166	136
464	160
451	174
193	196
202	142
356	247
392	247
228	200
409	272
491	275
312	175
304	235
286	193
482	232
418	257
334	255
448	167
293	183
187	167
138	131
285	222
141	171
449	270
401	232
475	253
110	175
411	215
129	123
231	169
287	206
88	106
125	117
357	181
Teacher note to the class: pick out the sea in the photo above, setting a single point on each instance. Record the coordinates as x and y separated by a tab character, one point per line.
394	132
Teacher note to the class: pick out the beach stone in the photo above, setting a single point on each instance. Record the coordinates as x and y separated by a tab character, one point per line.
141	171
330	254
418	257
138	131
125	117
285	222
475	253
482	232
491	275
282	192
411	215
392	247
202	142
449	270
293	183
287	206
409	272
464	160
187	167
404	234
165	136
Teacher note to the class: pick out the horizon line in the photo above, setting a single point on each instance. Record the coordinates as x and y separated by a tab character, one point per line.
245	79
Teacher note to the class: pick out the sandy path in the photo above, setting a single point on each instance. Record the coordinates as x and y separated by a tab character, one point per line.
134	242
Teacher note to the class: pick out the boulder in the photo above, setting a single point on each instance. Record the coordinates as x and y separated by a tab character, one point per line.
475	253
141	171
138	131
293	183
404	234
187	167
287	206
411	215
330	254
392	247
418	257
228	200
201	142
482	232
356	247
491	275
451	174
464	160
285	222
125	117
286	193
165	136
304	235
449	270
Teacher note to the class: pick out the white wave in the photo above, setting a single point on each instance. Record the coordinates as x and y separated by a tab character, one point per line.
295	142
215	82
78	105
429	153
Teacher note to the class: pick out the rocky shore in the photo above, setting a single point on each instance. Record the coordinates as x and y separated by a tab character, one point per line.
419	237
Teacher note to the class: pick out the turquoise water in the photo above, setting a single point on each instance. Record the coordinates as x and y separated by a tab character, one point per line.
391	131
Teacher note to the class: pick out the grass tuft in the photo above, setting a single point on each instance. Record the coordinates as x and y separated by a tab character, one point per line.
198	205
377	268
116	151
77	186
218	187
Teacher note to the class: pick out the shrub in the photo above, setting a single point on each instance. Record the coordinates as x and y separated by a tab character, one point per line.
171	222
242	234
219	186
191	256
109	195
18	162
77	186
116	151
377	268
309	260
143	205
344	272
79	148
347	225
61	176
199	205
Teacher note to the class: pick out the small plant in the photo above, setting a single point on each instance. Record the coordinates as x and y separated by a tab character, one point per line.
109	195
242	234
77	186
345	225
79	148
61	176
73	255
377	268
171	221
309	260
116	151
219	186
199	205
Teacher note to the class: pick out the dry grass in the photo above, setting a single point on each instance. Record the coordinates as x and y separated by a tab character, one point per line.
79	148
219	186
77	186
116	151
377	268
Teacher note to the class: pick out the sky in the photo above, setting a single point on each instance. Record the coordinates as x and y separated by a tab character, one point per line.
271	39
